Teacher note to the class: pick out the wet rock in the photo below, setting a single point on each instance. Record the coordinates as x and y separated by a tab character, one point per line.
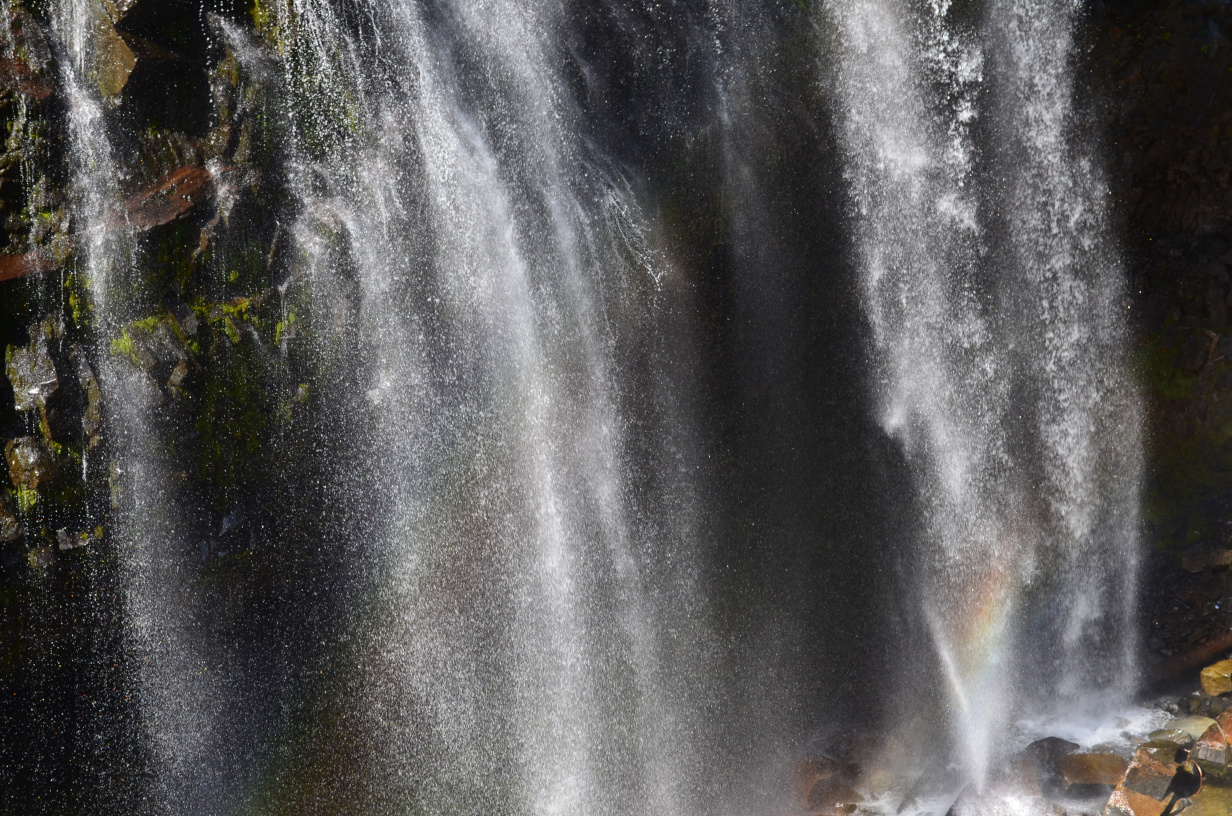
1146	787
92	411
1173	736
1151	772
23	66
1125	802
114	59
1216	679
166	200
66	540
32	373
30	463
1193	726
1212	749
1195	558
1046	751
1193	354
1210	801
1091	769
41	559
175	383
151	342
10	527
17	76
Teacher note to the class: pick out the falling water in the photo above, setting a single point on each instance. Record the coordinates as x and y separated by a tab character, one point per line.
593	511
994	295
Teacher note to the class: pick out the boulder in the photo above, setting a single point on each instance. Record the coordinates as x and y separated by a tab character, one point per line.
1192	726
1212	749
32	373
1044	752
1146	788
1174	736
30	463
114	59
1125	802
1091	769
1216	678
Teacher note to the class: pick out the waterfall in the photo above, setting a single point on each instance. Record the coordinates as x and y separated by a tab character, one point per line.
994	295
579	408
485	248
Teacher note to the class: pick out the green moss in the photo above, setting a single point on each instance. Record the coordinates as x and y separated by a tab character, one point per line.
283	326
26	499
122	346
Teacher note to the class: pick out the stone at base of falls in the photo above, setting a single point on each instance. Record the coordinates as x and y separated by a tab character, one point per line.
1193	726
1216	679
1091	769
826	787
1045	751
1211	749
30	462
1146	788
1127	803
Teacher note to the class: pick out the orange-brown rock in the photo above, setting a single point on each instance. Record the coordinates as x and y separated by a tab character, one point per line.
166	200
1125	802
1146	788
1216	678
17	76
1091	769
1212	747
27	263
